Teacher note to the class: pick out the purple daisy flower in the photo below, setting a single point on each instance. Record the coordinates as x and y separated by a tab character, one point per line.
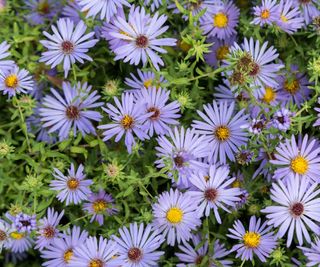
289	16
222	21
141	33
163	115
48	231
175	216
223	129
312	253
61	251
42	10
68	44
73	188
293	87
4	53
100	205
282	119
5	232
96	253
19	242
257	240
106	8
137	246
298	209
194	255
25	223
72	11
300	160
310	9
183	149
60	114
215	192
128	119
14	81
266	13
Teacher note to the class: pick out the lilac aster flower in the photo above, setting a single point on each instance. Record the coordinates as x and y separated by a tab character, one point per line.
257	240
68	44
268	95
223	129
5	232
266	13
100	205
183	149
282	119
310	9
194	255
128	119
73	188
96	253
137	246
60	114
222	21
289	16
293	87
106	8
4	53
61	251
72	11
175	216
48	231
163	114
141	33
214	192
42	10
19	242
297	159
14	81
25	223
298	209
312	253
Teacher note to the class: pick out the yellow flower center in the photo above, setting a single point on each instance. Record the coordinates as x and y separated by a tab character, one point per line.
127	122
283	18
299	165
220	20
269	95
236	184
147	83
222	133
174	215
96	263
16	235
99	205
251	239
291	86
265	14
73	183
11	81
222	52
67	255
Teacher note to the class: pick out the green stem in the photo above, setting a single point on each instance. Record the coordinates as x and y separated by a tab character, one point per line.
23	121
242	263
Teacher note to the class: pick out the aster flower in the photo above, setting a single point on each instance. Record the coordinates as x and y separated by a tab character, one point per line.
68	44
257	126
96	253
214	192
294	159
293	87
223	130
194	255
163	114
137	246
106	8
183	149
175	216
72	11
298	209
268	95
47	230
266	13
14	81
128	119
73	188
289	17
60	114
312	253
100	205
42	10
309	9
4	53
141	33
222	21
5	232
258	240
61	251
282	119
25	223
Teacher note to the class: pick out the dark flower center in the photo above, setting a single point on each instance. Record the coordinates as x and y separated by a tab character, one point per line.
304	1
297	209
49	232
25	223
237	78
67	47
280	119
73	113
198	260
259	125
156	113
44	8
178	161
211	194
142	41
3	235
254	69
135	254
